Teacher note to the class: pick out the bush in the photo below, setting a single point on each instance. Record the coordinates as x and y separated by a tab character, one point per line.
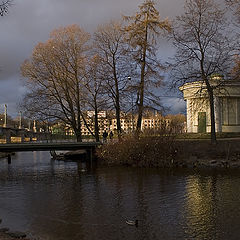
144	152
166	151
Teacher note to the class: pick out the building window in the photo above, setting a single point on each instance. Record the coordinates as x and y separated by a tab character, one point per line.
225	111
238	111
231	111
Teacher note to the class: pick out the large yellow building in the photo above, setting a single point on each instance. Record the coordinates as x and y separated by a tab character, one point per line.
107	122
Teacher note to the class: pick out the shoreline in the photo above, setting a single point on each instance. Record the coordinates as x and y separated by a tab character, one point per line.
12	235
161	152
7	234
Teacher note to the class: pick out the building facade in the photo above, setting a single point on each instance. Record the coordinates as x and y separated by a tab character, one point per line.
107	122
128	123
226	106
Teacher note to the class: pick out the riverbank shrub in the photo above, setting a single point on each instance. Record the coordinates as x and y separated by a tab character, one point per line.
144	152
167	151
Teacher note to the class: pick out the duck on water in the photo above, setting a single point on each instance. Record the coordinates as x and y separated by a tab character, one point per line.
132	222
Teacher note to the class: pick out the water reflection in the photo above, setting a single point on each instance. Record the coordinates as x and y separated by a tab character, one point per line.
59	200
200	207
212	206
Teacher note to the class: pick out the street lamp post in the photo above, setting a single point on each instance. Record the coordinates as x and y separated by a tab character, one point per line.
5	116
20	120
129	78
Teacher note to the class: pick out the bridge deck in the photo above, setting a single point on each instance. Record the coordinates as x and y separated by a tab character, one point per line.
22	147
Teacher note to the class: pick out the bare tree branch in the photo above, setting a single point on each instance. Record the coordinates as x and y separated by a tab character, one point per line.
203	48
55	74
4	6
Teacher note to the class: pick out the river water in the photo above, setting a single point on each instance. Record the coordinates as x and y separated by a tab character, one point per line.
54	200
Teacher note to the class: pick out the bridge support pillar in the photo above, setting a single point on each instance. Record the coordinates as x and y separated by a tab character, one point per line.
9	159
90	156
22	137
8	137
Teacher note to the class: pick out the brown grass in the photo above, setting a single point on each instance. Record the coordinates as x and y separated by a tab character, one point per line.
166	151
145	152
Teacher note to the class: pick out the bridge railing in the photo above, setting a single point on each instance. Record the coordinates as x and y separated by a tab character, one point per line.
15	135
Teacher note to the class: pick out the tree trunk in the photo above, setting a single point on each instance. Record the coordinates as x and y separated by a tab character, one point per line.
141	87
139	120
118	117
117	102
78	135
211	101
141	96
96	127
213	129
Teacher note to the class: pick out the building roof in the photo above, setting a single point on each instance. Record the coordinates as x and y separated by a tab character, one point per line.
198	89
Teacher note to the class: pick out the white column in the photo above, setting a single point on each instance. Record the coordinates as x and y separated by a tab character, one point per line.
189	116
34	126
217	113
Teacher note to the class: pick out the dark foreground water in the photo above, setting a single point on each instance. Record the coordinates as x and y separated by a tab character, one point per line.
57	200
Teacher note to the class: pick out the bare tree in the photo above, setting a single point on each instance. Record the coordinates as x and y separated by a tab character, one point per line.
55	74
176	123
109	42
4	7
143	29
202	48
235	7
95	96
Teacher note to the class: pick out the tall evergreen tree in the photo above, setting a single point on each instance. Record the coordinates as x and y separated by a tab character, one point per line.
142	31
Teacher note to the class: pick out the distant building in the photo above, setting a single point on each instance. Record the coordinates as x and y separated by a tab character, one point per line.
108	122
101	114
226	103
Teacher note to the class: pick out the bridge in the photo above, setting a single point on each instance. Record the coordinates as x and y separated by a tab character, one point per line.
22	147
8	133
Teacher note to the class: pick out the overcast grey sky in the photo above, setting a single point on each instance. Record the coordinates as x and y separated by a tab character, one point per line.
31	21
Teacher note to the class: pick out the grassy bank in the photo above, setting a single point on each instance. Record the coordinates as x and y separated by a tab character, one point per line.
222	135
170	152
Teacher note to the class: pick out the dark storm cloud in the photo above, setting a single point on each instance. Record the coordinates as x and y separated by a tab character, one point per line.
31	21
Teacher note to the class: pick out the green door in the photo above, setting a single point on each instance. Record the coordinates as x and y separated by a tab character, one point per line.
202	122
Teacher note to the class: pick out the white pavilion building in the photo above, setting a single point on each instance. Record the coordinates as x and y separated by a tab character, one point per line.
226	104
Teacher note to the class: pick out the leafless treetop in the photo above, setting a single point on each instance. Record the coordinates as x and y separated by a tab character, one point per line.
4	7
